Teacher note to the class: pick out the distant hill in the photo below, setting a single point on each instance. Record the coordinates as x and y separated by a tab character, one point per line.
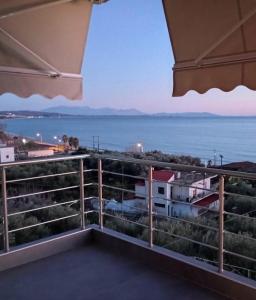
88	111
67	111
7	114
105	111
187	114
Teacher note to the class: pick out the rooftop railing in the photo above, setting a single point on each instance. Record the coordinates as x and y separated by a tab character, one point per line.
82	192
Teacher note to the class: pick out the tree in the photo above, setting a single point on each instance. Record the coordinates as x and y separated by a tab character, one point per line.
65	139
71	141
76	142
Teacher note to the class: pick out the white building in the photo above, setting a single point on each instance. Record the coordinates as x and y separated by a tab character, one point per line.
174	192
40	153
7	154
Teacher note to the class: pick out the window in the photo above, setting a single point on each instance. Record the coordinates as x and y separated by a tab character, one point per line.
159	205
160	190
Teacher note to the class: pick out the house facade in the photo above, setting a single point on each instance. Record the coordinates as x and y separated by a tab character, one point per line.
179	194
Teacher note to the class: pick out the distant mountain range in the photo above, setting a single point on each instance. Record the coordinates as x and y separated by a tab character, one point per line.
88	111
81	111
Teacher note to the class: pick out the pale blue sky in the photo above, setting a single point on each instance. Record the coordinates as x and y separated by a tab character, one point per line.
128	63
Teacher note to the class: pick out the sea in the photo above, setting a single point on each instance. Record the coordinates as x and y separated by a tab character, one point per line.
208	138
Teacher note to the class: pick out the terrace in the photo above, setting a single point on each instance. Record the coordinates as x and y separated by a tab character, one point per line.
101	253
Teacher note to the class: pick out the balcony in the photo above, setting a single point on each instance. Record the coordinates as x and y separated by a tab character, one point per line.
58	245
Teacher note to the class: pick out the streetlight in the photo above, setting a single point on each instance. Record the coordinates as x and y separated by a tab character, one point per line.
214	157
140	147
24	141
40	135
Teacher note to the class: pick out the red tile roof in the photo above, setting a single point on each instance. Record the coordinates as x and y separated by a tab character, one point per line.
163	175
206	201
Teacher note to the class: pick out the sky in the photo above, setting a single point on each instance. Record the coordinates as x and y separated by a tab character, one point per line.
128	64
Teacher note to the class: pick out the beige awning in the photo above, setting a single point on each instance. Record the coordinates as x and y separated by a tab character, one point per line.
42	46
214	44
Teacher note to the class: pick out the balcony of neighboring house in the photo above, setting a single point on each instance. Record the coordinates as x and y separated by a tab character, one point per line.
58	244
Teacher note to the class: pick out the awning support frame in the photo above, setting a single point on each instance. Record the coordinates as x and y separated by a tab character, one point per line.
55	73
224	37
33	7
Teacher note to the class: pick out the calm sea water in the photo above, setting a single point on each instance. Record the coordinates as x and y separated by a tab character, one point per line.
233	137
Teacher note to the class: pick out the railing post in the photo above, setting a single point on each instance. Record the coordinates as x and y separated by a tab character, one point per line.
5	211
221	223
100	194
81	173
150	206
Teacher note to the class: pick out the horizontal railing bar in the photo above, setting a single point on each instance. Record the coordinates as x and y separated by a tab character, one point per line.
41	177
178	167
122	189
244	236
90	170
126	205
43	223
44	160
125	220
43	207
43	192
187	221
169	183
49	191
91	184
89	198
89	212
157	197
187	185
240	195
239	255
238	216
186	239
188	204
124	175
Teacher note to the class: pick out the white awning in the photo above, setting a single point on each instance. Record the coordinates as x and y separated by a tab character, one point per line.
214	44
42	46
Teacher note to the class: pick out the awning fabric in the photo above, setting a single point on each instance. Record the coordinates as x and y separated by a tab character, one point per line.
214	44
42	46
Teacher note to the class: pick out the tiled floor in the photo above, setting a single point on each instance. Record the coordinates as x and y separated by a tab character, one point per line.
92	273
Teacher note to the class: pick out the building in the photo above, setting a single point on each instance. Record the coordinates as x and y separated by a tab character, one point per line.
40	153
179	194
6	154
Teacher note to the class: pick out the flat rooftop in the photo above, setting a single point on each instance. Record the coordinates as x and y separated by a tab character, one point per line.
97	265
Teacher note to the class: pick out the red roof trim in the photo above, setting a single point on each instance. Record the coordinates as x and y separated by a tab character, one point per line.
163	175
207	200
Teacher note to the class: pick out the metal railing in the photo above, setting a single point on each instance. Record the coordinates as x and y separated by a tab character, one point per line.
149	212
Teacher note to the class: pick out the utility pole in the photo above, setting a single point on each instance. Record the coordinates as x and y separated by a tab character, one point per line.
96	143
221	160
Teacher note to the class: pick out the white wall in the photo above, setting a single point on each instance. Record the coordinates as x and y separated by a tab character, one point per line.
140	191
40	153
180	193
196	190
7	154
